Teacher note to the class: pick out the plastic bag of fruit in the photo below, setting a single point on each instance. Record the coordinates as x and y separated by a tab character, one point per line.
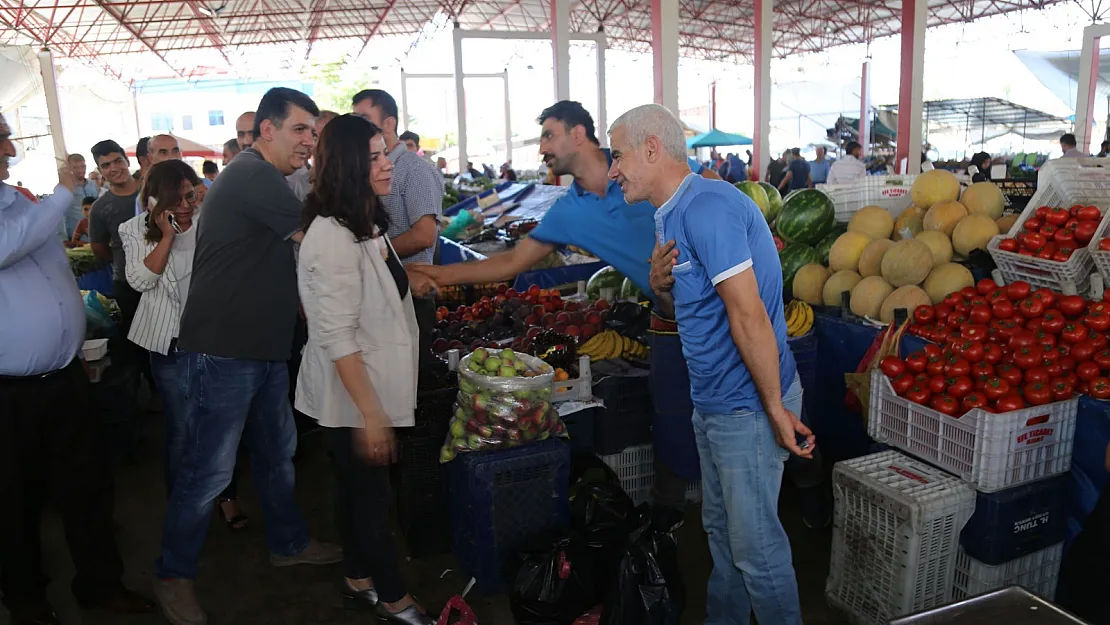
504	401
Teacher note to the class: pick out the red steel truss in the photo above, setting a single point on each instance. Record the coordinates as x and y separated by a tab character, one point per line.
99	31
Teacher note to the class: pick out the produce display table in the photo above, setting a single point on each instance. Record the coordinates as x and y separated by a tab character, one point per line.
841	433
92	274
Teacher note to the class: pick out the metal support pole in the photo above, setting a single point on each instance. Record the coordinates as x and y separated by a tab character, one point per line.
911	89
864	126
460	98
713	105
664	48
404	100
764	24
53	109
560	47
508	122
602	128
1088	84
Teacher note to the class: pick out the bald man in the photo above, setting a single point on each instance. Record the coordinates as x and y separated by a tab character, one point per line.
163	148
244	130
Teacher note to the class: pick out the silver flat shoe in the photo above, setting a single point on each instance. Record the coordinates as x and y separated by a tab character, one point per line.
410	616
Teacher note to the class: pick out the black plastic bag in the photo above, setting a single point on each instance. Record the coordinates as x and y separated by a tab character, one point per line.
649	588
552	580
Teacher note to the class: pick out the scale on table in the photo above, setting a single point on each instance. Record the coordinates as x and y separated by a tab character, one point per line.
1011	606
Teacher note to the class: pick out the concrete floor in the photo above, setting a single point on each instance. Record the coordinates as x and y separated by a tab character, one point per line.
237	584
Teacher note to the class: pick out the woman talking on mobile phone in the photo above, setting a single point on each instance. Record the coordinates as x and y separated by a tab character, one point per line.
158	247
358	373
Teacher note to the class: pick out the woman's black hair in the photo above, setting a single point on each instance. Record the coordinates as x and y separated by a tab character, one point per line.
341	186
978	159
163	182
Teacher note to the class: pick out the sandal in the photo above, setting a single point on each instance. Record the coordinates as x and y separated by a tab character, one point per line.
236	523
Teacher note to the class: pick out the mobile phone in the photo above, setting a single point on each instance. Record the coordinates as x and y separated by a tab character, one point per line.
173	222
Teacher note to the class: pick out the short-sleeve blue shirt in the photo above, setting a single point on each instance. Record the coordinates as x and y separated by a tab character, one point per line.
695	166
618	233
719	232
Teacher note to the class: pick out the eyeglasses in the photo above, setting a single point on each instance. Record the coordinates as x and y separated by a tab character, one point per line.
190	197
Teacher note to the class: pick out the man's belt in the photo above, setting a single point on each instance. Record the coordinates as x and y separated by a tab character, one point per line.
662	325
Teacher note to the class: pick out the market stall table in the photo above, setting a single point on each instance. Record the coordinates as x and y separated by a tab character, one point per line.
1013	606
92	273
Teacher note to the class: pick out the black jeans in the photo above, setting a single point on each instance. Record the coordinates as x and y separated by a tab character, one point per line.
426	321
50	451
1086	574
362	515
127	352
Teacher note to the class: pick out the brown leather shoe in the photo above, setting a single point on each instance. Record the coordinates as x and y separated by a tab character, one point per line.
119	601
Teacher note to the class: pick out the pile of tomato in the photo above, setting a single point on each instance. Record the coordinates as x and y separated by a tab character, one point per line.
1004	348
1054	232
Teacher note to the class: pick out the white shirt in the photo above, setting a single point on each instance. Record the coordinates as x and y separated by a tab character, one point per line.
847	169
159	314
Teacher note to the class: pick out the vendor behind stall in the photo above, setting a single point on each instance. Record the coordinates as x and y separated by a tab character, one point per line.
594	216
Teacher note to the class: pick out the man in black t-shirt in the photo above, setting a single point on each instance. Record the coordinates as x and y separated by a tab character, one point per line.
236	330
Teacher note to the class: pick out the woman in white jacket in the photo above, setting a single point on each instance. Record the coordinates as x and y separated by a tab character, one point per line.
358	373
158	246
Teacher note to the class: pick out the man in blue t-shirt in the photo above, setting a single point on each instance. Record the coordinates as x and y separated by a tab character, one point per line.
593	215
726	290
797	172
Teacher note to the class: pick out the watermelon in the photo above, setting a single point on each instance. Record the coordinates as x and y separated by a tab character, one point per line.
631	292
807	216
775	200
606	277
758	195
793	258
824	245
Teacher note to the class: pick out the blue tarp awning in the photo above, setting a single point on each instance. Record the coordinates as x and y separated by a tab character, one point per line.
715	138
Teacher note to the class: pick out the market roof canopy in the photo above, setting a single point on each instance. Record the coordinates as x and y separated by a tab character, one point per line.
189	149
983	112
1059	71
714	138
95	31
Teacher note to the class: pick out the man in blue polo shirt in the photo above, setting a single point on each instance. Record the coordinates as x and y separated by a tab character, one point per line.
727	297
593	215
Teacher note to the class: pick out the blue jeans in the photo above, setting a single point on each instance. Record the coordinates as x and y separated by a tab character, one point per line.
229	400
741	469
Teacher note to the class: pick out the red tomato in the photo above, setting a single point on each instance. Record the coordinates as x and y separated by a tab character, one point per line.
992	353
892	366
970	350
954	299
1022	338
916	362
924	314
1008	245
1071	306
1074	332
918	394
1047	252
1045	340
1033	325
1028	357
1063	253
1037	374
1067	363
1009	403
902	383
1049	231
1031	307
1102	359
985	286
1018	290
982	368
1032	241
968	292
1058	216
1072	224
1100	388
1087	371
971	401
1037	393
1104	245
956	321
946	404
1089	213
932	350
938	383
1054	369
996	387
1085	231
1047	297
957	367
1083	387
1041	212
1062	389
1098	339
1064	238
973	332
1033	224
1052	322
1002	309
1097	320
1010	373
980	314
960	386
1083	351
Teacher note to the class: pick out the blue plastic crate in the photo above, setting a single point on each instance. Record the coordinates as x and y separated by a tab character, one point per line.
1016	522
626	420
498	498
805	356
580	428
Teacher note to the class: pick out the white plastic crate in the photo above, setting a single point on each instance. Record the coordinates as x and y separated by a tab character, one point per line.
990	451
95	349
635	467
891	192
578	389
1101	258
1060	182
1037	572
896	530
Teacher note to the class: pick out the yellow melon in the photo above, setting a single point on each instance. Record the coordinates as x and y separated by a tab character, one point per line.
944	216
809	282
1006	222
911	219
874	221
948	278
983	198
907	262
846	250
838	283
973	233
939	244
870	261
908	297
933	187
869	295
